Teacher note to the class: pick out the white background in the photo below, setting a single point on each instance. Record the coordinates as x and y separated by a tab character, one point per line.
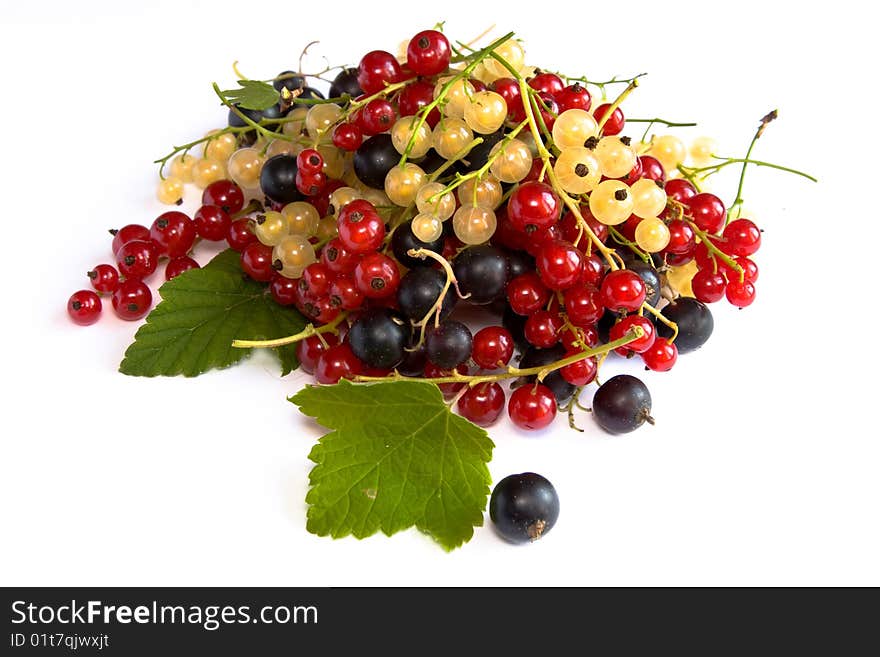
763	466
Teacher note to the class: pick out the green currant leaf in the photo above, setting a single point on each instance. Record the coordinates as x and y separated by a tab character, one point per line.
253	95
396	457
201	312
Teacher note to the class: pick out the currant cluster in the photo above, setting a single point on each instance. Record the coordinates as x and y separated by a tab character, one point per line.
444	178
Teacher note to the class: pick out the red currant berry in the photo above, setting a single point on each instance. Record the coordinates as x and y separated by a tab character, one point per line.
509	90
317	279
337	258
548	83
583	305
176	266
212	223
682	238
542	329
580	372
743	237
623	291
559	265
548	108
174	233
634	174
414	97
377	69
679	189
308	351
652	169
449	390
428	53
137	259
84	307
574	96
104	278
310	184
129	233
708	286
493	347
256	262
132	299
225	194
532	406
678	259
482	404
740	293
337	362
322	200
309	161
376	117
706	259
661	356
708	212
347	137
639	345
749	273
614	125
594	270
541	236
325	311
283	290
533	205
377	276
527	294
345	294
361	229
239	234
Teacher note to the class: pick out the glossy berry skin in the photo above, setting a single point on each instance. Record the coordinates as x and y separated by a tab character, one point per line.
682	238
84	307
594	270
740	293
623	291
524	507
344	83
419	291
374	159
532	406
743	237
337	362
347	136
708	286
651	279
560	265
309	161
403	240
428	53
622	404
132	299
309	350
527	294
104	278
639	345
548	109
414	97
695	323
127	234
749	273
345	294
680	189
376	70
493	347
256	262
137	259
376	117
376	276
614	125
548	83
212	223
310	184
449	345
574	96
316	279
361	229
481	272
542	329
482	404
378	338
708	212
225	194
661	356
580	372
289	80
337	258
239	234
583	305
177	266
283	290
651	168
534	205
509	90
278	179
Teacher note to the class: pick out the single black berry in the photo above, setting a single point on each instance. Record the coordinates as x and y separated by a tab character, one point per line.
695	323
622	404
524	507
418	293
378	338
482	273
449	345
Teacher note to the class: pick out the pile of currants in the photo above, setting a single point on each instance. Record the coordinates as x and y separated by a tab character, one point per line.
446	209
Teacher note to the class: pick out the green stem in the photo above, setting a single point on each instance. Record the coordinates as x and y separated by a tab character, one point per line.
307	332
621	239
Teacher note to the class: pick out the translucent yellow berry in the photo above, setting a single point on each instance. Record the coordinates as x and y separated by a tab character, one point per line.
573	127
474	225
451	136
402	131
486	192
403	183
294	253
615	157
321	117
426	227
170	191
326	228
652	235
611	202
457	98
302	218
486	112
181	167
669	150
649	199
283	147
510	51
245	166
207	171
578	170
270	228
701	151
340	198
295	124
513	163
442	207
334	160
219	148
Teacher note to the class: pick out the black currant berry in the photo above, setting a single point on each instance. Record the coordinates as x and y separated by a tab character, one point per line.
413	363
403	240
308	93
524	507
519	262
603	326
651	278
433	161
479	154
695	323
449	345
516	324
622	404
235	121
374	159
419	290
278	179
346	83
378	338
534	357
481	271
290	81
